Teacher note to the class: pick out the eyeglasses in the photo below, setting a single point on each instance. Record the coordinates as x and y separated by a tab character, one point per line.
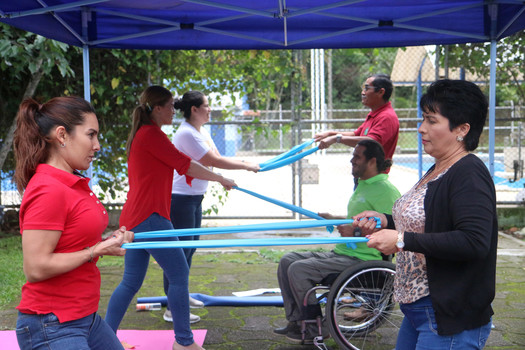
366	87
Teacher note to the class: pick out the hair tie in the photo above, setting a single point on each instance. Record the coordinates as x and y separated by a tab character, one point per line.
149	107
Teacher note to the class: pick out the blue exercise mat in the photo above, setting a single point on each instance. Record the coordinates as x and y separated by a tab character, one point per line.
209	300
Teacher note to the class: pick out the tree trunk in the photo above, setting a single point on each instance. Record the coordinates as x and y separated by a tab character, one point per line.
30	90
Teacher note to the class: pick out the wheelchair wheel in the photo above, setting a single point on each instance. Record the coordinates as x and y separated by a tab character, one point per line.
360	310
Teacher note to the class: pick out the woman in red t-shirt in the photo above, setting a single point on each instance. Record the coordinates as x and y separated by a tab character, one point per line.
152	158
61	222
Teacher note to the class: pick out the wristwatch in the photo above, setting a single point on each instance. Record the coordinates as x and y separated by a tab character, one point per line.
338	138
400	244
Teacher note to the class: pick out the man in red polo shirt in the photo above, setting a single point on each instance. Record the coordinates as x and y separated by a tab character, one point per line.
381	124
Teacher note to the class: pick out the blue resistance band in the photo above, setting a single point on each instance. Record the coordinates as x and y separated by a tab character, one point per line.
287	154
286	225
247	242
292	207
288	160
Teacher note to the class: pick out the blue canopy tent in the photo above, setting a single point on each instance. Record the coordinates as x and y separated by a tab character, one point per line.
269	24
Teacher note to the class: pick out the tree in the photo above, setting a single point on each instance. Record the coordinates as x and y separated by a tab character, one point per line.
509	62
351	67
25	57
118	77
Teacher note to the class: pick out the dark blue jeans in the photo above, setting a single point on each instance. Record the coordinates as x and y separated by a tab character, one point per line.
419	331
47	333
185	212
173	263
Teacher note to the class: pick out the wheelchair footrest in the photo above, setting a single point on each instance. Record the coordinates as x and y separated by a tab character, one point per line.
319	343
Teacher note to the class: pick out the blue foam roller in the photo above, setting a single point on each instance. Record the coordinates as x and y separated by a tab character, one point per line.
209	300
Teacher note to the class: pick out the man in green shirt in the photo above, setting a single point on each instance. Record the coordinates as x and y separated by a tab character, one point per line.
300	271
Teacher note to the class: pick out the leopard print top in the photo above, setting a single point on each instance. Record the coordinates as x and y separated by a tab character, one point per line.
411	282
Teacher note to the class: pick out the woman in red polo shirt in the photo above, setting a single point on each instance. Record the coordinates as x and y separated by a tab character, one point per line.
152	158
61	222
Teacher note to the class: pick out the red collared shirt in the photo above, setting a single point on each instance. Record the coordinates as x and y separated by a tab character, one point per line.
56	200
151	162
383	126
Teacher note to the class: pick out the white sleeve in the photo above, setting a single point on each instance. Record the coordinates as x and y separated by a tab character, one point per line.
191	143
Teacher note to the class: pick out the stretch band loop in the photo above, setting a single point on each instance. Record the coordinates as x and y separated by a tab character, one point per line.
288	160
257	242
292	207
286	225
245	228
287	154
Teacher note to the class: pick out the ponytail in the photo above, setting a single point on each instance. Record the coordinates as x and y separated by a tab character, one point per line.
34	124
153	96
189	99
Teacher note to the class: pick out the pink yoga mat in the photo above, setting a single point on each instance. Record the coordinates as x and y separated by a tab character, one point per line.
142	340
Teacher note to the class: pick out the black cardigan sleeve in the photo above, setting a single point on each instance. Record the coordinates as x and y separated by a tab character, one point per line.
459	214
390	222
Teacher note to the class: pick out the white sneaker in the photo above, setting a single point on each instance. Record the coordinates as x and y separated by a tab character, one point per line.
196	304
194	318
169	318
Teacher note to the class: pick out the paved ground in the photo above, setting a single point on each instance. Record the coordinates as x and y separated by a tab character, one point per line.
250	328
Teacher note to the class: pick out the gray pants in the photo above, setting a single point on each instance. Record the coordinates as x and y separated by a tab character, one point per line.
298	272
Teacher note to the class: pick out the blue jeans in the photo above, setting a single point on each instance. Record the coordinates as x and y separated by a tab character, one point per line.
419	331
173	263
46	332
185	212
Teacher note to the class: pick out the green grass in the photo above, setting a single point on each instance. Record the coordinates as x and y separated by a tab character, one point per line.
11	268
111	261
11	264
12	276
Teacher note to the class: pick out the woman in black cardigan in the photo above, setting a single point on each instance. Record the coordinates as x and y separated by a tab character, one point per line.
444	229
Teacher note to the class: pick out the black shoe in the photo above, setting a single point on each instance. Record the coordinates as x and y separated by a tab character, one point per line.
311	332
291	326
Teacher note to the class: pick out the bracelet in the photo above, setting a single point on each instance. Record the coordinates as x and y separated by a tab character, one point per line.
92	251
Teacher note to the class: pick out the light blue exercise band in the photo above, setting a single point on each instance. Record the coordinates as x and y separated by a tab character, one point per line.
292	207
288	160
281	160
287	154
286	225
223	243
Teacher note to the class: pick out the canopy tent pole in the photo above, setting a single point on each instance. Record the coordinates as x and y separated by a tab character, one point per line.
492	106
419	117
86	72
493	12
85	65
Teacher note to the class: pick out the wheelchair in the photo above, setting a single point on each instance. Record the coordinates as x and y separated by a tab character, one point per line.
358	307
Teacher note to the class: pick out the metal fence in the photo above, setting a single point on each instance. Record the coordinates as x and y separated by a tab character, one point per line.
322	182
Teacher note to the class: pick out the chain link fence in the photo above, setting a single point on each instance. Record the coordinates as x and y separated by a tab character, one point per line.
322	182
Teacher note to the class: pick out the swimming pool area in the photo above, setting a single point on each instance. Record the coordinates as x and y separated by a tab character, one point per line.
501	177
329	193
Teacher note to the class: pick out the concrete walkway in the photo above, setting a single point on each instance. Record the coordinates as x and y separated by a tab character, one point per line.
251	328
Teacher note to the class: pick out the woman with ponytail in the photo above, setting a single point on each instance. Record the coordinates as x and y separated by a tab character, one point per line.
152	159
61	222
193	140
